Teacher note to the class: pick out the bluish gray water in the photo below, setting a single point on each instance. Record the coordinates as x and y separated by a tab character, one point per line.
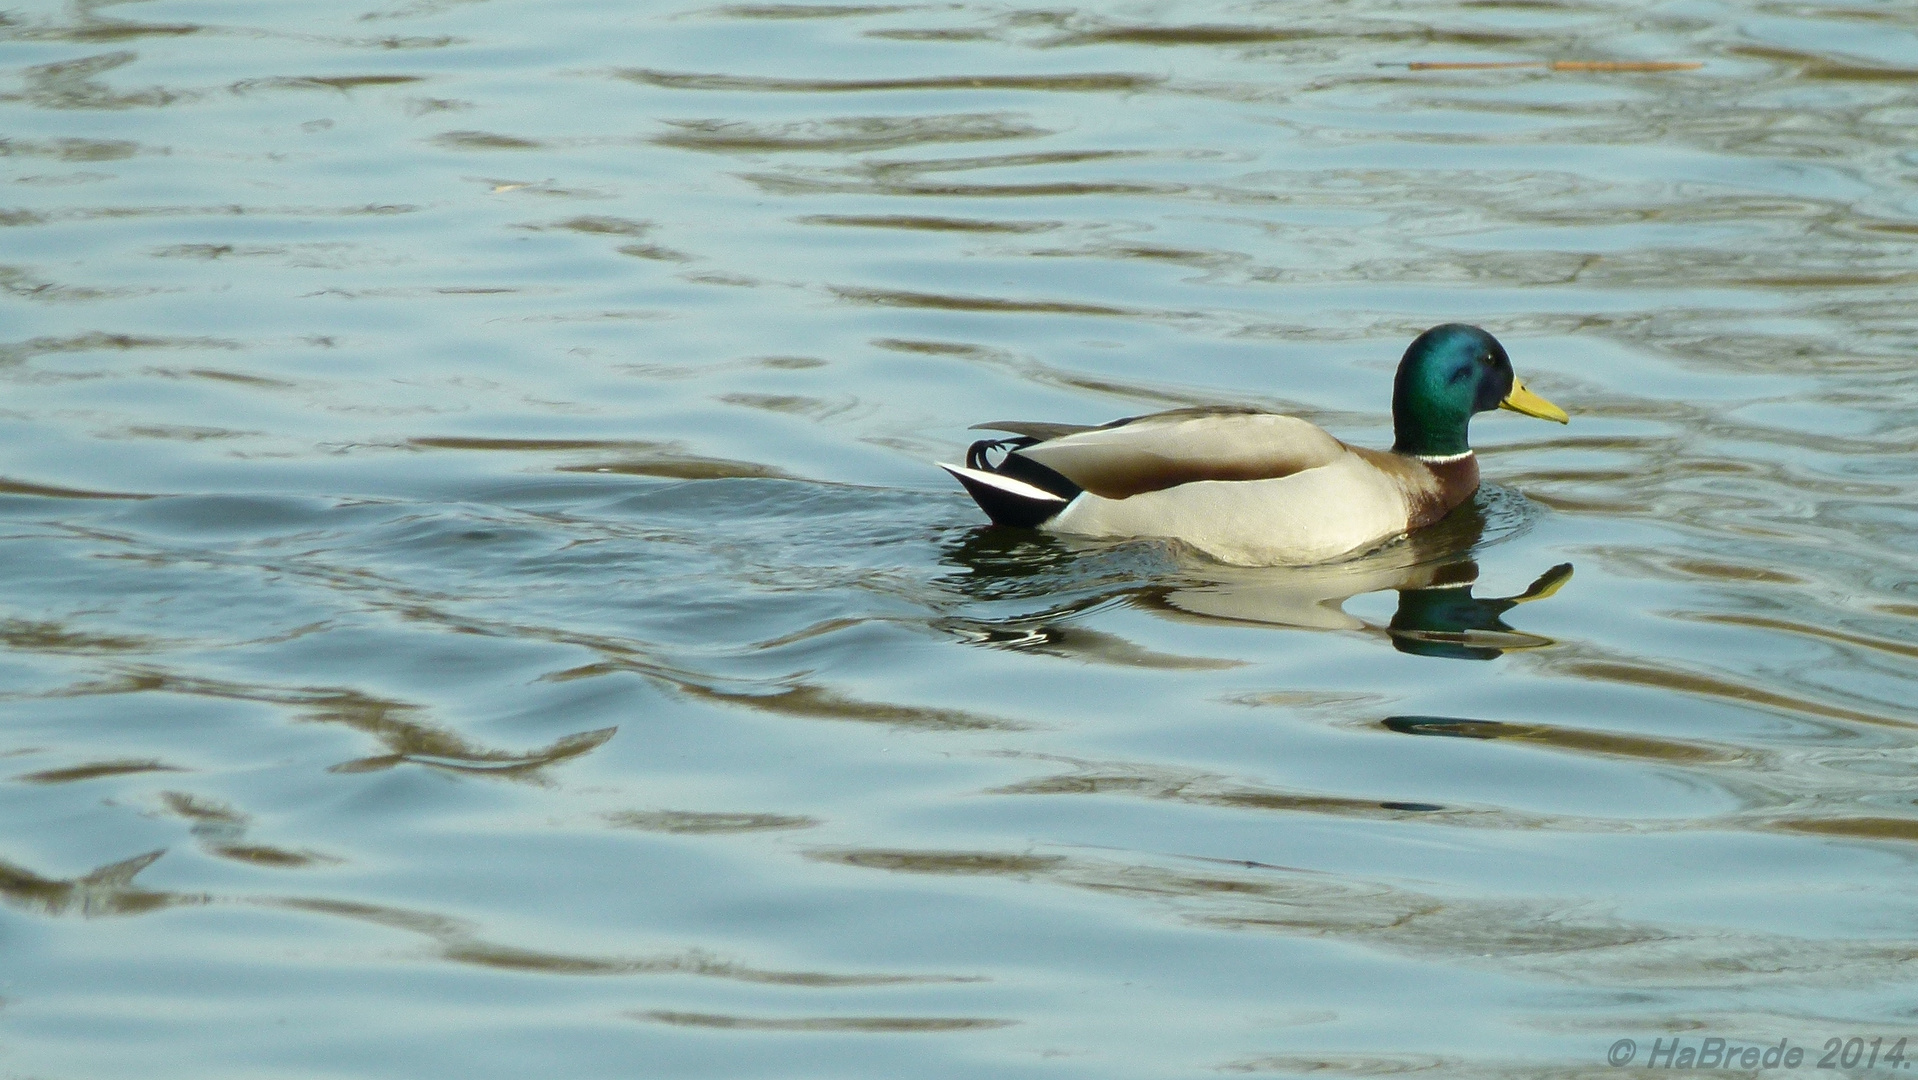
478	600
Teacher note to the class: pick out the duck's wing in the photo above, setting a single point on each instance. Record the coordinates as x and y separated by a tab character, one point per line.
1041	430
1037	430
1164	450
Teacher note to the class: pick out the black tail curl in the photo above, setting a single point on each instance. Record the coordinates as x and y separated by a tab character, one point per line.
976	454
1013	464
1006	505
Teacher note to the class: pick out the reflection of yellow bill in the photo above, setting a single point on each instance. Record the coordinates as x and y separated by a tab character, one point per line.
1521	400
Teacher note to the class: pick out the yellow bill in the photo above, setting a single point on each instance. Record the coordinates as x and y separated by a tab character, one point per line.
1521	400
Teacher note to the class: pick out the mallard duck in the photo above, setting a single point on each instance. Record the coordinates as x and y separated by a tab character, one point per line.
1257	488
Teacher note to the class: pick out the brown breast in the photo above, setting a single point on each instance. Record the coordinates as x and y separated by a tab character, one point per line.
1432	489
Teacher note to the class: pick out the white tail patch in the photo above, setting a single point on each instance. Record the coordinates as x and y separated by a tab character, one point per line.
1006	484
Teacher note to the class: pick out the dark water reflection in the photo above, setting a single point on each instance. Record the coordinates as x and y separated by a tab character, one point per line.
477	597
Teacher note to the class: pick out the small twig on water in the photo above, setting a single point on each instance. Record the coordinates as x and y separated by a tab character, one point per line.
1552	65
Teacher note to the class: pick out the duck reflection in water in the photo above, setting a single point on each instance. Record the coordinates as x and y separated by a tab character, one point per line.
1434	572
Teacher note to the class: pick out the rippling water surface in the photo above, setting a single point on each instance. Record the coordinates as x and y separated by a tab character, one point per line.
478	601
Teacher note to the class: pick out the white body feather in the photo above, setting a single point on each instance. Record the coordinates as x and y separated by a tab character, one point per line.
1341	508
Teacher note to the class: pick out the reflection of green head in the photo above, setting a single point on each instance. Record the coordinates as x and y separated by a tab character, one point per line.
1448	373
1446	620
1439	622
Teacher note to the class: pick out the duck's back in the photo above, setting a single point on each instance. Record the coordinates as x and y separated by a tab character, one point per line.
1167	449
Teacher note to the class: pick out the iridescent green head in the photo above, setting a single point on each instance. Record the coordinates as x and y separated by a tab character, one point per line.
1448	373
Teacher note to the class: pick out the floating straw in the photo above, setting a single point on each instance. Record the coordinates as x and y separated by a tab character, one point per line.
1552	65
